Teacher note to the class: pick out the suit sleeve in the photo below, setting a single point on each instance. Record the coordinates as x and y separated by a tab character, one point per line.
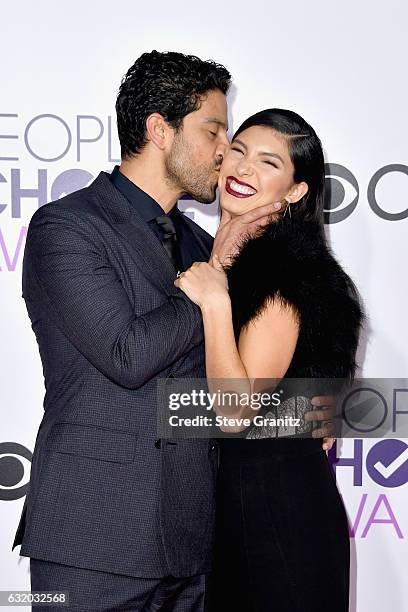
88	302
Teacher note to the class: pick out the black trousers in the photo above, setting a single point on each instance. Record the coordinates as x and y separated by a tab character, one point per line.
94	591
282	541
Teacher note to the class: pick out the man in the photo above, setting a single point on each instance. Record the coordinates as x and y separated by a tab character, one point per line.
116	517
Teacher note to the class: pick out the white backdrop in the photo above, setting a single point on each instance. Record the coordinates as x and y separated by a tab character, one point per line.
343	67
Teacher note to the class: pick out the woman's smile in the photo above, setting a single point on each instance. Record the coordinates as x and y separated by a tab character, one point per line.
238	188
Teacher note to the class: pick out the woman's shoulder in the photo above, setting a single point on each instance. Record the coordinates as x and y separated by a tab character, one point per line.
285	249
293	260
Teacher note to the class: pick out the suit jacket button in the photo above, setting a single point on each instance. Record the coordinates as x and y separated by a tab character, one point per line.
157	443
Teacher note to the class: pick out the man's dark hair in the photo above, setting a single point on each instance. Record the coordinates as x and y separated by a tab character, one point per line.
170	84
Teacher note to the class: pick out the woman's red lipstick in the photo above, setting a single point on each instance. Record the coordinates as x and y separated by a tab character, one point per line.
239	189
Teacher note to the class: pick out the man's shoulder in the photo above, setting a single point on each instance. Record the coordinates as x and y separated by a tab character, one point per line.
80	203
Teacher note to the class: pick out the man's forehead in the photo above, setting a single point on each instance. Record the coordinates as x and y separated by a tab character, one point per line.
214	104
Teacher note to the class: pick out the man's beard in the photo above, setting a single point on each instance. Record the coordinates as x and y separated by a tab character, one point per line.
193	179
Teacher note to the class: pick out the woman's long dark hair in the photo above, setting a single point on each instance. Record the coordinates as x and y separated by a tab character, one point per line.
306	153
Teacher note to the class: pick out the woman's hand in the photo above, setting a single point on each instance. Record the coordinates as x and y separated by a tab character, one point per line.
204	283
232	231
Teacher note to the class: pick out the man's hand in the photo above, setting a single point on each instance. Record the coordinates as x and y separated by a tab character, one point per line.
231	231
325	414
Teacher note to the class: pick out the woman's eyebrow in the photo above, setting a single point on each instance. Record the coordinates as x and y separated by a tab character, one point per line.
237	141
272	155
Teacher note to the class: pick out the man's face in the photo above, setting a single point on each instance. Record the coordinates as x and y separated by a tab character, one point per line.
197	151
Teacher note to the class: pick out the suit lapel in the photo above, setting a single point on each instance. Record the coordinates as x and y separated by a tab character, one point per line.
199	234
146	247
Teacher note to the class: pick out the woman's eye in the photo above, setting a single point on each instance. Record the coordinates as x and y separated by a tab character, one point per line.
213	133
237	150
270	164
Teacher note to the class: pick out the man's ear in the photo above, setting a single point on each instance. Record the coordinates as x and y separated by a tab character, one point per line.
297	192
158	130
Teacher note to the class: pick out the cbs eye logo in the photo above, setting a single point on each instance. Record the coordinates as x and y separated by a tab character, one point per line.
341	186
15	463
338	183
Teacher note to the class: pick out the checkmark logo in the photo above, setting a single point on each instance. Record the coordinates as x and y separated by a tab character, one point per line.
387	463
387	470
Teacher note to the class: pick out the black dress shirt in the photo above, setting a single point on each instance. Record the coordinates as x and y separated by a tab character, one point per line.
149	209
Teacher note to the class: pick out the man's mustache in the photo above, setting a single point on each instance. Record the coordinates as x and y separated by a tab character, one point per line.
218	162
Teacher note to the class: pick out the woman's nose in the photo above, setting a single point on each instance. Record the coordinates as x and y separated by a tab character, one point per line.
244	168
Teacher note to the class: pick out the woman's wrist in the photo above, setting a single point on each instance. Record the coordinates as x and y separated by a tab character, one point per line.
216	304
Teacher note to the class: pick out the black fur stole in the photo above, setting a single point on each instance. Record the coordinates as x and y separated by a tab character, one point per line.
290	261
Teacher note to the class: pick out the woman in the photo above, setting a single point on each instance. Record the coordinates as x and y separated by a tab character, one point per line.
283	308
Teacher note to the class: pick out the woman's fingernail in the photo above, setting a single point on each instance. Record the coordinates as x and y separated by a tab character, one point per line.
277	205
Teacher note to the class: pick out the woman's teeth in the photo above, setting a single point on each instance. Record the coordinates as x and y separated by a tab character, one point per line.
242	188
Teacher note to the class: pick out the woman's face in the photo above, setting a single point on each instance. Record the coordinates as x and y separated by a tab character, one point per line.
257	170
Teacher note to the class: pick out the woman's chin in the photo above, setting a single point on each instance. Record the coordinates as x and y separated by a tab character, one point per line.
235	209
231	204
238	206
230	208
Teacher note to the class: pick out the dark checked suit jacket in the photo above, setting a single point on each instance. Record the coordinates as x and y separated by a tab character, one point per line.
104	494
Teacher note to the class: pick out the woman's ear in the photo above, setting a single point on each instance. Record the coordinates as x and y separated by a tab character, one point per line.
297	192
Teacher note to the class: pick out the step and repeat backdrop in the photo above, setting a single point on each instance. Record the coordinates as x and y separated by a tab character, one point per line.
341	65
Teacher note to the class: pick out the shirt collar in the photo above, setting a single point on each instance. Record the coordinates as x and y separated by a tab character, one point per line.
147	207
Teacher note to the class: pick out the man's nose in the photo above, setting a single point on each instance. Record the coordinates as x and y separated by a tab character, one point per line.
221	149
